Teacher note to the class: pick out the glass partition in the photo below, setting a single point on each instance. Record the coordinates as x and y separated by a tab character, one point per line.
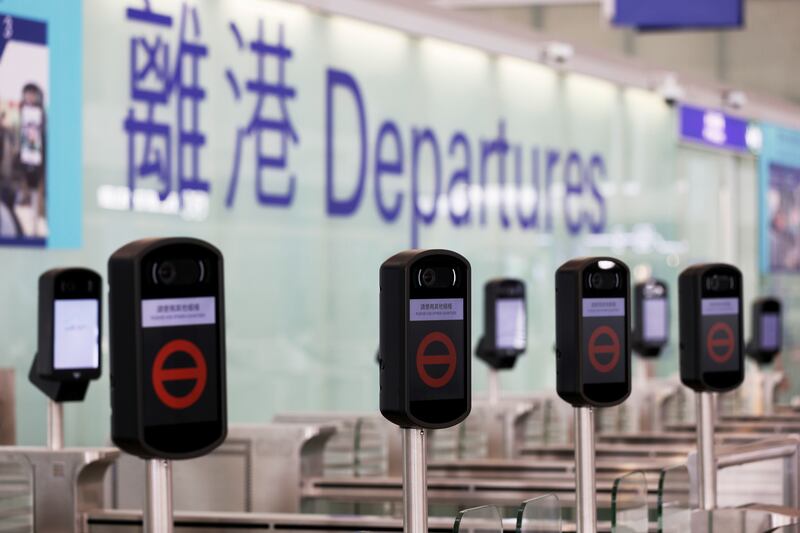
674	500
484	519
629	504
540	515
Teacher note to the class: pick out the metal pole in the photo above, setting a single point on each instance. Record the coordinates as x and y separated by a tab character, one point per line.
158	500
771	380
415	498
759	407
707	461
649	370
586	504
55	425
494	386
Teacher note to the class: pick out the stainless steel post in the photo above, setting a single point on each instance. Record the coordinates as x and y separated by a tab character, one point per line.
769	397
55	425
158	500
585	497
707	460
494	386
771	380
415	487
759	383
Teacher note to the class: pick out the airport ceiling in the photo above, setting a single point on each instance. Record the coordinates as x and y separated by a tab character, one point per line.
761	56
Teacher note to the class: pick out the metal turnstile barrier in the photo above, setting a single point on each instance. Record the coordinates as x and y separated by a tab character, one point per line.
259	468
362	445
46	490
764	472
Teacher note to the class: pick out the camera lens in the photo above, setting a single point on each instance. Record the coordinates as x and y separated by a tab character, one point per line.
719	283
428	277
603	281
166	272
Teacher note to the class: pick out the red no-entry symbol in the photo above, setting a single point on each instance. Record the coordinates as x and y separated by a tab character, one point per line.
197	373
425	359
719	342
611	348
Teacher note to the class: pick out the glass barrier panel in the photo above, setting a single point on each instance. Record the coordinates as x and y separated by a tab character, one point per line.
540	515
443	443
16	494
756	482
371	455
549	424
484	519
730	521
473	440
339	455
794	528
674	500
629	504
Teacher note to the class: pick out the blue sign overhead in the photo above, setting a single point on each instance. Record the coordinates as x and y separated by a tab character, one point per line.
678	14
713	128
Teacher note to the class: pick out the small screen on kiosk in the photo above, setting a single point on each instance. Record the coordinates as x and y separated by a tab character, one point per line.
770	331
655	319
180	345
76	343
510	323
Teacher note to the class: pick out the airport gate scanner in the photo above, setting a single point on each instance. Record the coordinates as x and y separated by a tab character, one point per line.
400	266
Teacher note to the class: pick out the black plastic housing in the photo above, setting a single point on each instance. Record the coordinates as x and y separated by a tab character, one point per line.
173	270
593	354
499	357
760	348
711	341
61	284
646	345
442	396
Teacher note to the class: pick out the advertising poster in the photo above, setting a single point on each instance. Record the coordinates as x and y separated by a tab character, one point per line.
24	96
41	106
780	200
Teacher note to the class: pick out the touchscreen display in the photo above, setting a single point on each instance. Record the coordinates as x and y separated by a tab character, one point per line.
180	360
510	323
604	340
436	338
76	344
719	325
770	331
655	319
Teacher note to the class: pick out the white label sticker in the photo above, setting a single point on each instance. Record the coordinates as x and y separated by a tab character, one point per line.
76	331
436	309
720	306
168	312
603	307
